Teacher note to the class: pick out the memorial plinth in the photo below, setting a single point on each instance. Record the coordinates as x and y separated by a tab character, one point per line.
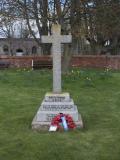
52	105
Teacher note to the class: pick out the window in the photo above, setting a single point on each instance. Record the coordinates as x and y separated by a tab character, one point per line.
19	50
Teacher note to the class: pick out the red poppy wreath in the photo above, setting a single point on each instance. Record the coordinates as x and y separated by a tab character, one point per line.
57	121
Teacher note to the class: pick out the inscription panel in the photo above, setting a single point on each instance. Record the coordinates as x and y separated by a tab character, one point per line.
56	99
49	117
57	107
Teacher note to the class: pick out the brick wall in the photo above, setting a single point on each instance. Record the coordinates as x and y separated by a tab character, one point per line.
77	61
23	61
90	61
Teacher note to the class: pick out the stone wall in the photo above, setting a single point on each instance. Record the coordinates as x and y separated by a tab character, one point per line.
77	61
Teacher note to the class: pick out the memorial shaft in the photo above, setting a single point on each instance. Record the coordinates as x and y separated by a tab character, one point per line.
56	67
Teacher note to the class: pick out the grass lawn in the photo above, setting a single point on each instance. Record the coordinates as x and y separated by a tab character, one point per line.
95	92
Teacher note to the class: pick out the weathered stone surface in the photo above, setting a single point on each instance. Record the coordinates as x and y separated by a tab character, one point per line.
56	39
49	109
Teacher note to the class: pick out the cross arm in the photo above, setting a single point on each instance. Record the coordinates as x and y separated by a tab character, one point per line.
66	39
47	39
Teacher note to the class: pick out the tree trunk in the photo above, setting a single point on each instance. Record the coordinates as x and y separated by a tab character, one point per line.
45	47
67	55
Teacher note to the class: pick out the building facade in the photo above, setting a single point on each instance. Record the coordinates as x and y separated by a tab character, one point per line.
28	46
18	47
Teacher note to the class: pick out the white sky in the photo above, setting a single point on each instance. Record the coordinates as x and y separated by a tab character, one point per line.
18	26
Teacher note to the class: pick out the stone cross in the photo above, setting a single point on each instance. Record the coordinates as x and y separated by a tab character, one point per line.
56	39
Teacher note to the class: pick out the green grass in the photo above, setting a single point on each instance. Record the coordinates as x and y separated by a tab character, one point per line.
97	95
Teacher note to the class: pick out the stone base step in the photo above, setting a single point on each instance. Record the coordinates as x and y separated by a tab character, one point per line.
44	126
49	115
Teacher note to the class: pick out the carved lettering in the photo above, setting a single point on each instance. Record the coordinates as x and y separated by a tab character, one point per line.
49	117
55	99
58	107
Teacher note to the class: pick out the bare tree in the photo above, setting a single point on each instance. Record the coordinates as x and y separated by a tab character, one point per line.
97	21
